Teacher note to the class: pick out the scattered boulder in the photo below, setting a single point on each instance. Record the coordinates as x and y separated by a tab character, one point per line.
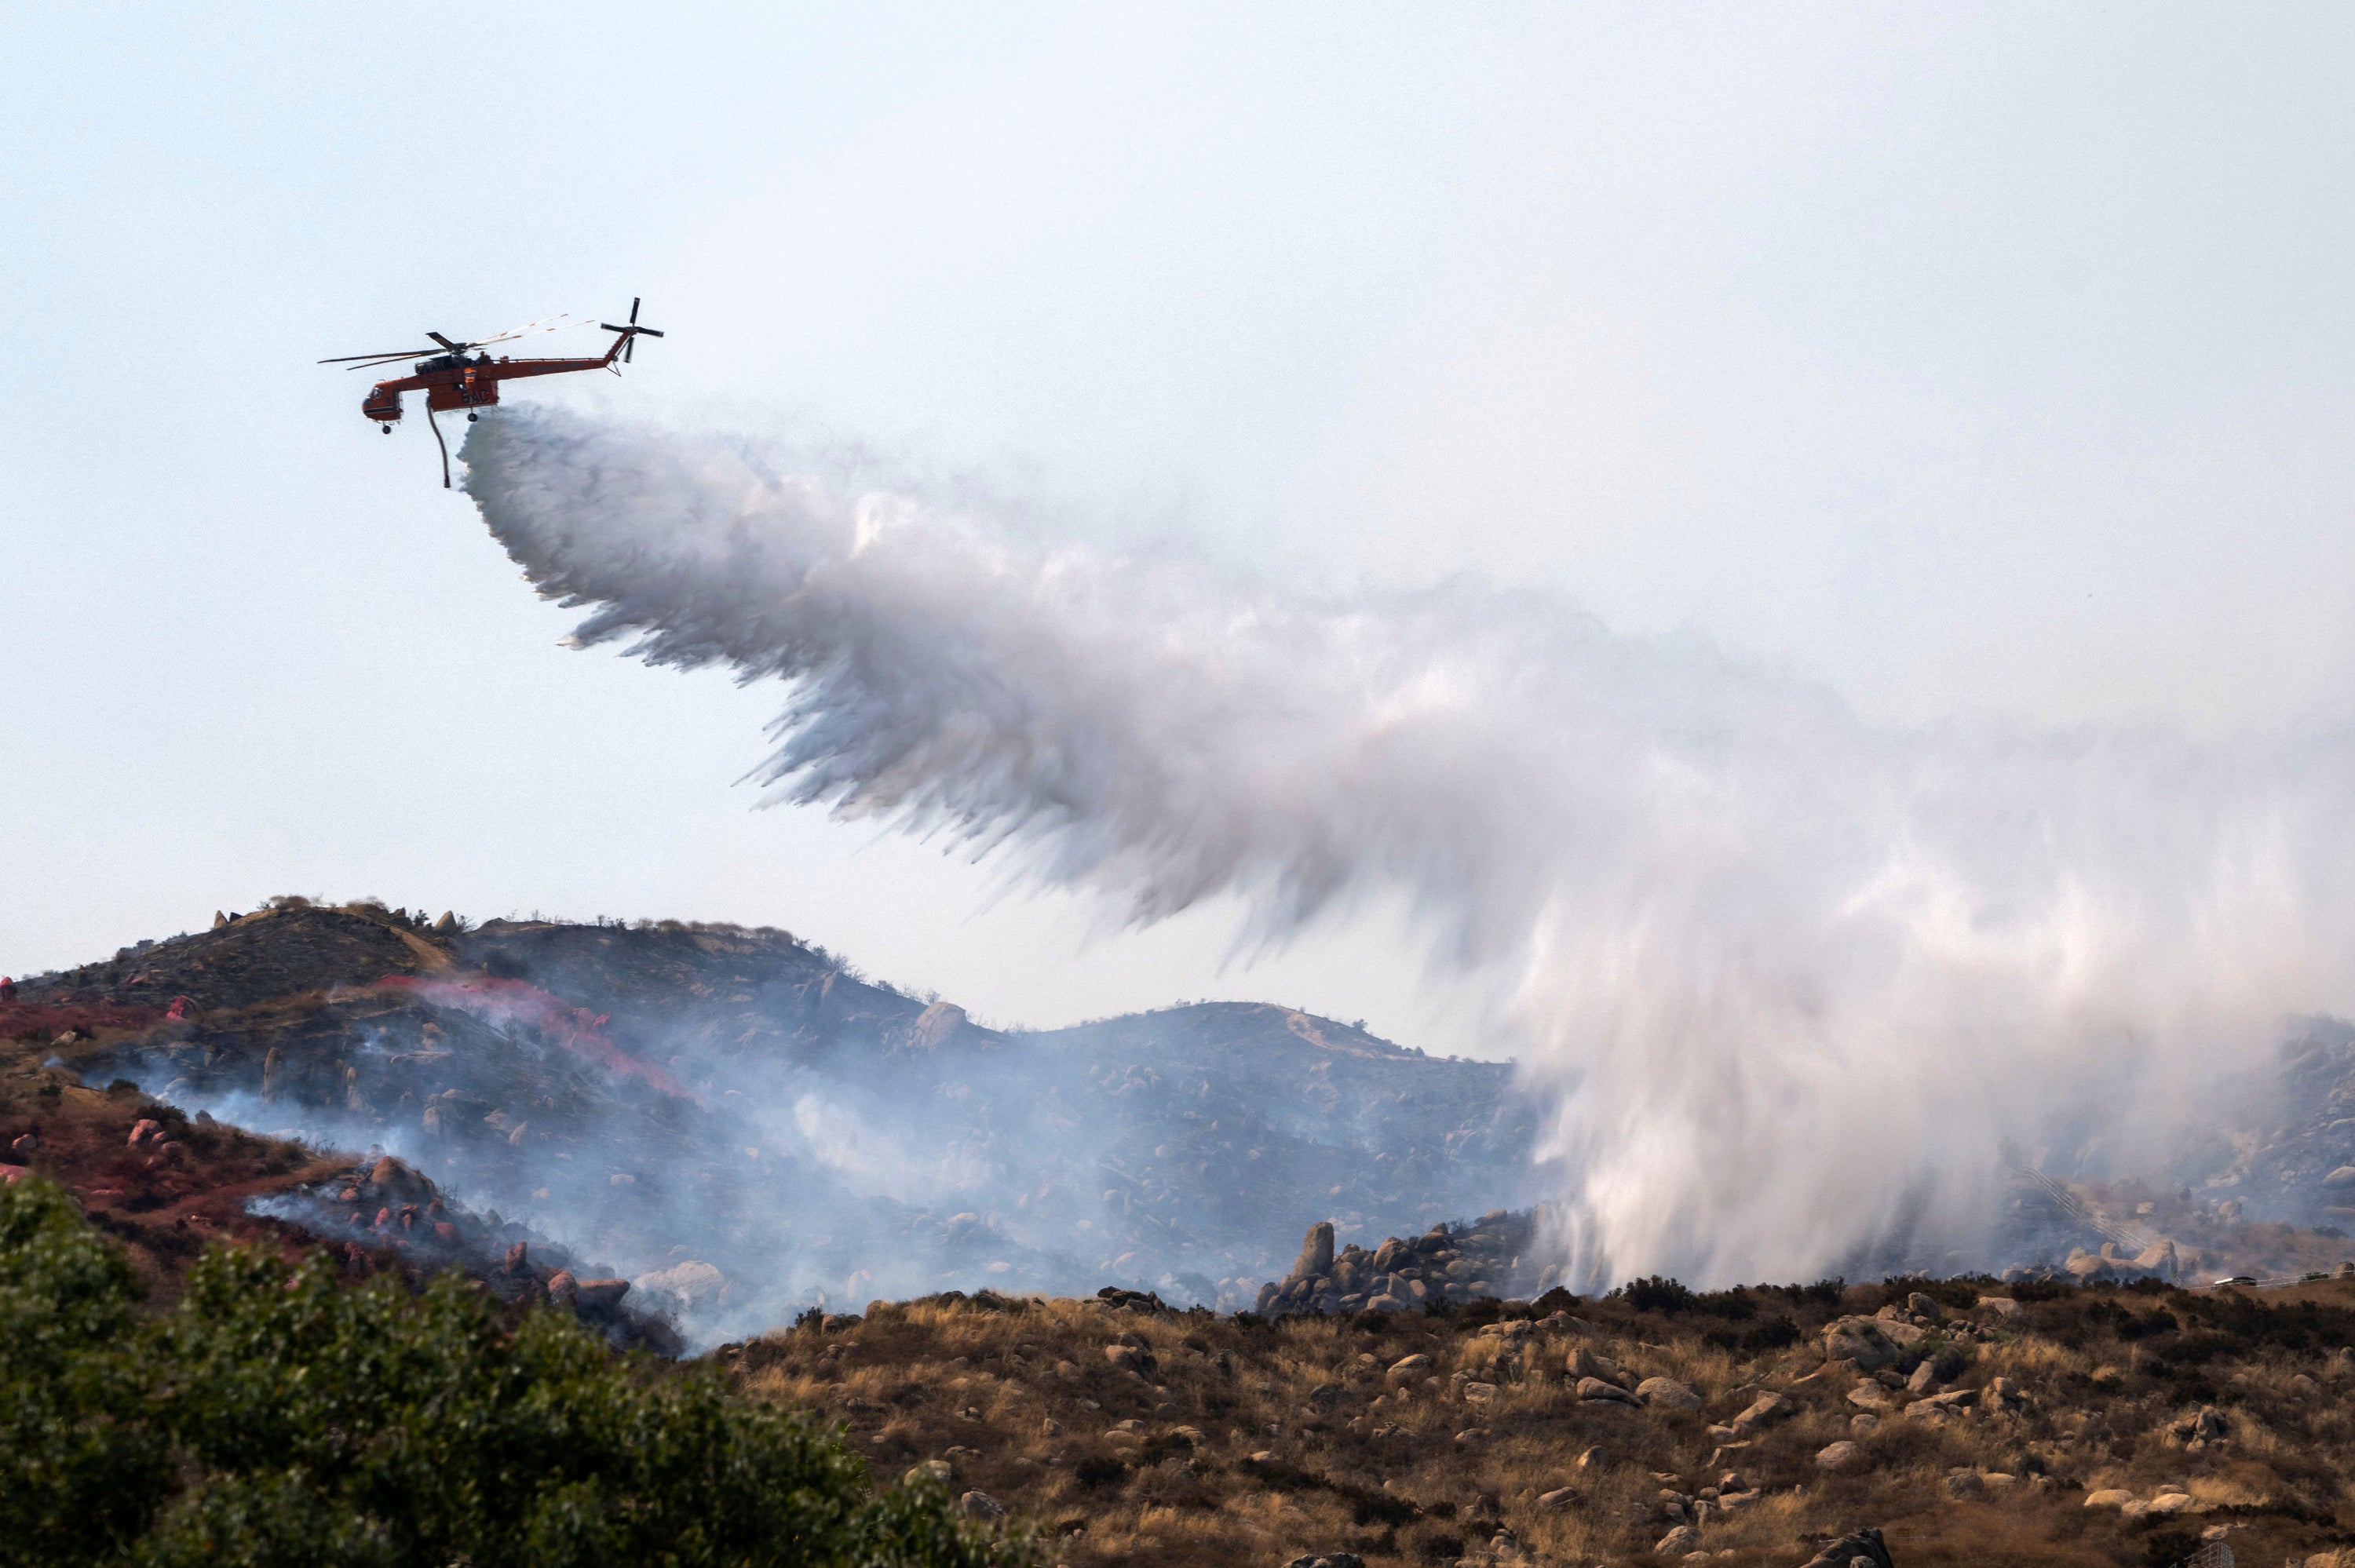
1666	1393
2201	1429
939	1470
1835	1455
1684	1538
1585	1363
2109	1497
1326	1560
1861	1549
1864	1340
2000	1307
1595	1388
1952	1400
979	1505
936	1026
2087	1267
1763	1410
683	1287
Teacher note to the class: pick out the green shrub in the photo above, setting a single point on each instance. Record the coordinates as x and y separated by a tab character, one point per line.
1655	1295
81	1468
280	1417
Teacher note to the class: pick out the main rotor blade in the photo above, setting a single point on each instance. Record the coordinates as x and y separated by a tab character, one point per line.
633	311
388	354
629	348
545	323
453	348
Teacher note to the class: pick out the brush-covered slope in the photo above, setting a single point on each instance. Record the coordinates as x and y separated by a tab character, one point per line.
740	1101
2039	1426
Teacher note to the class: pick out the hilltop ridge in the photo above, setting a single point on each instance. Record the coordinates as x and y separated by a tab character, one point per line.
661	1092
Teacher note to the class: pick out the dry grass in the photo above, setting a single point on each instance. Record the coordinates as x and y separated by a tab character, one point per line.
1250	1442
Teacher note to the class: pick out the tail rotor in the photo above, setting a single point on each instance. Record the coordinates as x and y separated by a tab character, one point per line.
631	333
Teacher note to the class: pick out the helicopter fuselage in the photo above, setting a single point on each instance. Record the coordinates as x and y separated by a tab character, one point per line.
452	381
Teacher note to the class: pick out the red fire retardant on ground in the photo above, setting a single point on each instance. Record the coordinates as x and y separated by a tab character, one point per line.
518	1001
19	1019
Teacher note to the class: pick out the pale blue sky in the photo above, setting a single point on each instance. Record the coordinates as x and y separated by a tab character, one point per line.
1972	360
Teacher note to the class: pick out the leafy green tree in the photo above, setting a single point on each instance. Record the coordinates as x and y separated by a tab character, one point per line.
281	1416
82	1471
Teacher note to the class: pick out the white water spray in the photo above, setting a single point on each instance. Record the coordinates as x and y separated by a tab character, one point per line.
1789	981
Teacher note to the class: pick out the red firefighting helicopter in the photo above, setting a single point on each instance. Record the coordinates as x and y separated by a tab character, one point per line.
451	379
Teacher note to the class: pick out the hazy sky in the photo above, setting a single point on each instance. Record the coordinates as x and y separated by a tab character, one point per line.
1978	360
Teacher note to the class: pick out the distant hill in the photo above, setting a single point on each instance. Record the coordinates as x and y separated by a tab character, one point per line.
739	1119
662	1094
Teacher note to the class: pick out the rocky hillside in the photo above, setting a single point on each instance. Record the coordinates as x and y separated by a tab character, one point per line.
165	1184
2038	1426
741	1102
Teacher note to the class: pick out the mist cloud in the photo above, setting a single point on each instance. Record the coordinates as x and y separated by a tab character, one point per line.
1787	983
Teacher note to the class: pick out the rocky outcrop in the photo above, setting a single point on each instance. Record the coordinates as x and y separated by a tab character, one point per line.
1447	1262
386	1205
2156	1261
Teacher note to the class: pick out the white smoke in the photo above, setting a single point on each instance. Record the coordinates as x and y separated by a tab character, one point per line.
1789	981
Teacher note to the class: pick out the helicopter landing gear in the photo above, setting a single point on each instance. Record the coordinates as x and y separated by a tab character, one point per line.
388	429
471	417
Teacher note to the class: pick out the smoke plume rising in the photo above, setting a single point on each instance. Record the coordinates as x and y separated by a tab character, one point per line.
1788	983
